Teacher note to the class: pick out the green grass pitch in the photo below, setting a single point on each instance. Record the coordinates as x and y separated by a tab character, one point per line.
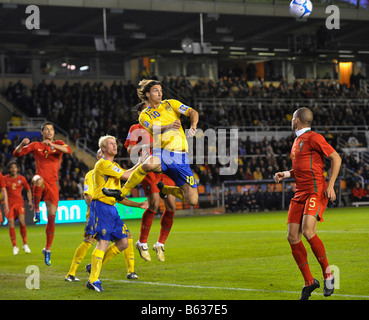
217	257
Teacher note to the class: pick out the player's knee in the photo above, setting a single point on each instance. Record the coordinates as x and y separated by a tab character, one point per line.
148	167
153	165
38	181
292	238
194	197
308	233
122	245
193	200
170	206
154	205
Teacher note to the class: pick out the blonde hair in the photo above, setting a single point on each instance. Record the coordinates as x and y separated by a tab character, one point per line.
102	140
145	86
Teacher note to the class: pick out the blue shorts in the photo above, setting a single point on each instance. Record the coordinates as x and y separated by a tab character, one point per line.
104	222
176	165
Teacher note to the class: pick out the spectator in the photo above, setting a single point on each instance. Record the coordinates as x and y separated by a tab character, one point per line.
231	202
6	142
353	142
358	193
257	174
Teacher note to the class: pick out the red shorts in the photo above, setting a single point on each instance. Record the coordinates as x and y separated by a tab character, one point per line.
313	204
51	193
15	210
151	179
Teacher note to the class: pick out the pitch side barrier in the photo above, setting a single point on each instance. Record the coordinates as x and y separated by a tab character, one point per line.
74	211
285	189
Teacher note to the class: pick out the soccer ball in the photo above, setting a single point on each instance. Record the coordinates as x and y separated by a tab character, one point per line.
300	8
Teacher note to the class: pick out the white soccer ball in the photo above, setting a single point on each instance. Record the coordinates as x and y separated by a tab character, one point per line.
300	8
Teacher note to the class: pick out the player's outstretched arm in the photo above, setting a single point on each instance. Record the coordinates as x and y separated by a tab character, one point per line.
279	176
130	203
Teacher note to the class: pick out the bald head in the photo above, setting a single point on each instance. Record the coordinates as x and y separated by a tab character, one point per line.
305	115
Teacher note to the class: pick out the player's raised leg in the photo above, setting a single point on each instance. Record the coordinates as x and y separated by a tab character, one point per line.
151	164
49	230
185	193
37	189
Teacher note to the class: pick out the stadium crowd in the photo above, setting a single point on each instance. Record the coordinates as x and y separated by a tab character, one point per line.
90	110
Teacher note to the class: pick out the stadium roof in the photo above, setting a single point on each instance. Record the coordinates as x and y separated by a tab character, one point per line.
262	30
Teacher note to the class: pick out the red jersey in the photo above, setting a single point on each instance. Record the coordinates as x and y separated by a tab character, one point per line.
14	187
136	134
48	159
2	181
308	151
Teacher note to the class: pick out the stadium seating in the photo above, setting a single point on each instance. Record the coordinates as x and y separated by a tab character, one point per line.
78	107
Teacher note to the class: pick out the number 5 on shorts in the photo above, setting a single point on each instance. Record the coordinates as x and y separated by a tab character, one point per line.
312	203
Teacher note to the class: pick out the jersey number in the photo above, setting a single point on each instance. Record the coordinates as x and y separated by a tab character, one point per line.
190	180
154	115
312	203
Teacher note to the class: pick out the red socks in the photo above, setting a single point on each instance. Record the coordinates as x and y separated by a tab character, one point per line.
166	223
318	249
50	227
300	255
37	194
12	236
23	232
146	222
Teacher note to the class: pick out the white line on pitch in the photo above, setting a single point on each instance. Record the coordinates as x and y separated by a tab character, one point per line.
226	288
273	231
163	284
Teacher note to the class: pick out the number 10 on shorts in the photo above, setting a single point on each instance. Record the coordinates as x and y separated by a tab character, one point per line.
190	180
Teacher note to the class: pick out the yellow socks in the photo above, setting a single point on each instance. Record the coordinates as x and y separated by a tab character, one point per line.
78	256
174	191
99	258
96	264
129	256
110	253
134	179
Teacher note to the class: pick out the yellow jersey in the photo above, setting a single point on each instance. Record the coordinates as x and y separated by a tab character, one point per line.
106	175
166	113
88	188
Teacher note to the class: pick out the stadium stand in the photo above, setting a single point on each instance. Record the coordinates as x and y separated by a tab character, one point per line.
78	108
